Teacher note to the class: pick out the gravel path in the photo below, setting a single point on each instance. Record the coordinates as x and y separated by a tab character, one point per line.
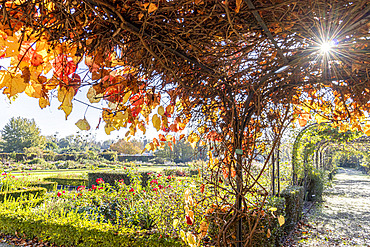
343	219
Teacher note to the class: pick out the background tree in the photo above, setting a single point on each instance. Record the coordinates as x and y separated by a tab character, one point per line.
21	133
181	152
127	147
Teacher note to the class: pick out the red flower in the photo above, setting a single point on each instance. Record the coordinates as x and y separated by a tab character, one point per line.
59	194
154	181
99	181
169	177
131	190
155	189
93	187
189	221
159	175
100	188
80	188
64	191
160	186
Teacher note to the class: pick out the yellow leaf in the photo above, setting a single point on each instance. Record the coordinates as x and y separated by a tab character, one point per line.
5	79
126	97
193	138
161	110
320	119
43	102
192	239
82	124
367	129
268	235
272	209
12	47
182	234
34	90
281	220
15	86
91	95
175	223
156	122
65	96
108	128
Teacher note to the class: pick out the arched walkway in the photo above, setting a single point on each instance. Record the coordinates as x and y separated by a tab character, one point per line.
343	219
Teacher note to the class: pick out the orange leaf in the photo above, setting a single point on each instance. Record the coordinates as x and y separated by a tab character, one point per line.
162	138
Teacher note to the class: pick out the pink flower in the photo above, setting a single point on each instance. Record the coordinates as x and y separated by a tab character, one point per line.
131	190
160	186
64	191
155	189
169	177
126	199
59	194
93	187
121	181
99	181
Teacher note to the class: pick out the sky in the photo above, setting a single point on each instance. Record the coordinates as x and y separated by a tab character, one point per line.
52	121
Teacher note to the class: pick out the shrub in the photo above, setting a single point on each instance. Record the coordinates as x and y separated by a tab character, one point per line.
74	229
26	193
109	155
315	184
112	177
294	205
68	181
49	186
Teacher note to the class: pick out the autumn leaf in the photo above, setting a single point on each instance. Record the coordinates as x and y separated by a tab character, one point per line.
161	110
34	90
65	96
152	7
156	122
175	223
82	124
193	138
15	86
320	119
367	129
43	102
281	220
268	235
302	122
92	96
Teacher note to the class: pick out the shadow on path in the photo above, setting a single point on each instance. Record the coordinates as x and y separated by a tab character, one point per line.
343	219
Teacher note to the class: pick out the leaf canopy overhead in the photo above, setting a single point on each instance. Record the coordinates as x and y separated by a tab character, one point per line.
204	54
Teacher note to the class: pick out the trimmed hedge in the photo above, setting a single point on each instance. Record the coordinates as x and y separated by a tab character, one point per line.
111	177
49	186
34	191
68	181
74	229
294	205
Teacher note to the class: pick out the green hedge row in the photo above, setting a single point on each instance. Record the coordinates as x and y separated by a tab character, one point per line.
293	205
74	229
68	181
111	177
34	191
49	186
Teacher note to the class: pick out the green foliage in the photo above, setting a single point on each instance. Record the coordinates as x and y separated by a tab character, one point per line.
20	133
109	155
294	205
112	177
68	181
36	192
49	186
74	229
315	184
182	152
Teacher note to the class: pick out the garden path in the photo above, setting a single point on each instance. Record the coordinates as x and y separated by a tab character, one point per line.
343	219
